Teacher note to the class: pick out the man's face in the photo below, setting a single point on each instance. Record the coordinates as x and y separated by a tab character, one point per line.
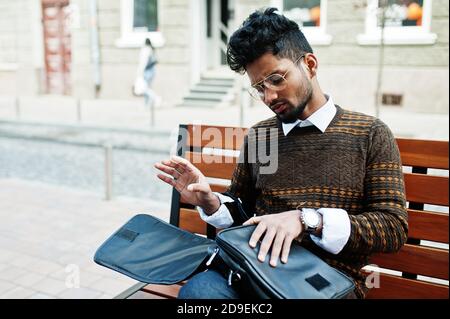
290	102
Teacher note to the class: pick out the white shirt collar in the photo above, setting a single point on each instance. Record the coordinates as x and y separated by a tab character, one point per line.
320	118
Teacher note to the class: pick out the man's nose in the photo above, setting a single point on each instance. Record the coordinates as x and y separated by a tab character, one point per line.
269	96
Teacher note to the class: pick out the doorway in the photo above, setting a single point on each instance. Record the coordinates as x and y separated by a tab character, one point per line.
57	46
219	23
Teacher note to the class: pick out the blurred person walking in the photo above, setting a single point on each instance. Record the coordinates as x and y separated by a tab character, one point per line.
146	74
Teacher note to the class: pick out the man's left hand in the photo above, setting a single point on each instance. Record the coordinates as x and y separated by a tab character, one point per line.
280	230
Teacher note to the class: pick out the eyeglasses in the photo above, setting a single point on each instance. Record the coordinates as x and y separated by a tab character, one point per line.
275	82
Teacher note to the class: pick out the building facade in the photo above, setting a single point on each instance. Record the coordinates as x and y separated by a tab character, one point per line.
90	48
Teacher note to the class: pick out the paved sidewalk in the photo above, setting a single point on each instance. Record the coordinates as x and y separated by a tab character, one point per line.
48	236
132	114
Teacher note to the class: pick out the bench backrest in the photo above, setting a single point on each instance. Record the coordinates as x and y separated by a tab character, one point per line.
195	143
418	270
426	252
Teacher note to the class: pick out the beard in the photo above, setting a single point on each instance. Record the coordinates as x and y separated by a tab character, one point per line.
293	113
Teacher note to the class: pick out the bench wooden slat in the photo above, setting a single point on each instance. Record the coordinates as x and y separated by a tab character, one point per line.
218	188
230	138
392	287
432	154
190	220
215	166
421	188
426	261
428	225
166	291
422	224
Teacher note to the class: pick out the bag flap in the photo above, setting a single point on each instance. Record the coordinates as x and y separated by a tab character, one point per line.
152	251
304	276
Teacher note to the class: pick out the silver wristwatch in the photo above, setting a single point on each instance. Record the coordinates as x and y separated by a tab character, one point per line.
310	220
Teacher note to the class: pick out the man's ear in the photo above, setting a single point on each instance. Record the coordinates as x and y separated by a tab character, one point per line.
311	64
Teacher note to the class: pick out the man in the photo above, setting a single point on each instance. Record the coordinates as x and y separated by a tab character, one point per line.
338	189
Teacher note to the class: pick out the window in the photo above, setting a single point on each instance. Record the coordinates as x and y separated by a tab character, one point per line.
306	13
405	22
139	20
400	13
311	16
145	15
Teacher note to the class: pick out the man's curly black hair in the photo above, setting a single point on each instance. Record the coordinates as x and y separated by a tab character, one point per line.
262	32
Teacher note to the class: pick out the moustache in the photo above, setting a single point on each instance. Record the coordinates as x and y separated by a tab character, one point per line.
277	103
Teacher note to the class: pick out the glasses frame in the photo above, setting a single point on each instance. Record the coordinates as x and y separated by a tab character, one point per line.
259	95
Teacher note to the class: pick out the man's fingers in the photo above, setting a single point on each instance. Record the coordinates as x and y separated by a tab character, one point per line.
178	159
185	164
197	187
266	244
168	165
181	163
181	167
168	170
257	233
172	182
252	221
167	179
276	248
286	248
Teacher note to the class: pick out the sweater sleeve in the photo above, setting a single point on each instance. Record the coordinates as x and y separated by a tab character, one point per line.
242	188
382	226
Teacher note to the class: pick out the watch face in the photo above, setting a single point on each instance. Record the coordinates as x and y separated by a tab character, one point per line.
311	218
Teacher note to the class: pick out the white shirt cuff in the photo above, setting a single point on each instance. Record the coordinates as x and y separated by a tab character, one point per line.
222	217
336	230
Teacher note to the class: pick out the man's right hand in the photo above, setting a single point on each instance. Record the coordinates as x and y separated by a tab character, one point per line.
189	182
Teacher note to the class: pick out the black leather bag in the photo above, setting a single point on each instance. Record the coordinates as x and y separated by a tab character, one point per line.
304	276
153	251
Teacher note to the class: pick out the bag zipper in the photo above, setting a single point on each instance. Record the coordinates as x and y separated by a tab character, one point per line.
214	254
232	273
236	255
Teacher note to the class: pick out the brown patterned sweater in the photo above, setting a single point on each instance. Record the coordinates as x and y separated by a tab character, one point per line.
354	165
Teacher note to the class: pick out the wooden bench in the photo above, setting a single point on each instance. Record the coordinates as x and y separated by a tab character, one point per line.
418	270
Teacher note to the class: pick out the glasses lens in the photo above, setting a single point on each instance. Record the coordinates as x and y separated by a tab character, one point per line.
275	82
255	93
